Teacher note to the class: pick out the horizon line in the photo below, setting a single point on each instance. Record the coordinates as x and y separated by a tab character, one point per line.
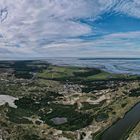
45	58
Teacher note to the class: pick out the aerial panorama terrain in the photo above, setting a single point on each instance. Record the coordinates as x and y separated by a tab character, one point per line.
43	101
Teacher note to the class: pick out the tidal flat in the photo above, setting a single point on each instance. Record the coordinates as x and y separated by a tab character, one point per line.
51	102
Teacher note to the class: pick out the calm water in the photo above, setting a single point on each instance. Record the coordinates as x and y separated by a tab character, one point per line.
115	65
116	131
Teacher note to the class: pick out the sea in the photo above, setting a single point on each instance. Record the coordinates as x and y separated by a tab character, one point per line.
113	65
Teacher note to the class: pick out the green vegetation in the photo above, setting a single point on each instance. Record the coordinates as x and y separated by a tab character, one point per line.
32	137
18	115
74	118
75	73
46	92
23	74
101	117
135	92
87	106
27	106
55	72
69	73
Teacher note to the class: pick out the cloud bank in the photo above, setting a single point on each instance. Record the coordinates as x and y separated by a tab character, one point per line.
42	28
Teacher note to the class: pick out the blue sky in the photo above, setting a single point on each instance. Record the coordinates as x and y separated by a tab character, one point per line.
69	28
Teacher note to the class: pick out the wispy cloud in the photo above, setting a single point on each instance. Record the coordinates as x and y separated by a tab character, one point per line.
44	27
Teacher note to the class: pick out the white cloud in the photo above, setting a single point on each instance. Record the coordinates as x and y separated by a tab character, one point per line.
113	45
130	7
28	25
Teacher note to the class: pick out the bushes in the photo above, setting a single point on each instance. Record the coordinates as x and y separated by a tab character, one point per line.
28	106
23	74
135	92
87	73
87	106
27	103
17	115
31	137
76	120
101	117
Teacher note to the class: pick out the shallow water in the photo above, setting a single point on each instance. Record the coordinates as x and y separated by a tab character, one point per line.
114	65
58	121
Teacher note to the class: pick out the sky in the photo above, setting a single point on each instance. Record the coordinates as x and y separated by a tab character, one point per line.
69	28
